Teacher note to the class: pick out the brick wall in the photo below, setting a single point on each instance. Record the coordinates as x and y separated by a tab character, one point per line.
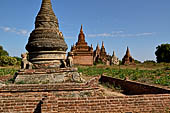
48	87
127	104
45	99
134	88
30	102
46	102
83	60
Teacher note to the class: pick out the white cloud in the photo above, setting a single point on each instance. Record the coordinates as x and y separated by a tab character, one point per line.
6	29
14	30
23	32
121	34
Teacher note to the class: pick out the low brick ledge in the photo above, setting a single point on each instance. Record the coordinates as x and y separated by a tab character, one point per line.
46	87
129	84
45	71
137	97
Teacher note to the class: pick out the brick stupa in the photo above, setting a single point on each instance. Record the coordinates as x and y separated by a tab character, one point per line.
46	45
47	52
103	54
82	53
100	54
96	54
127	59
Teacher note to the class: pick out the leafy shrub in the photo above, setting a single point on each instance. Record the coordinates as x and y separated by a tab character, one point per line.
7	60
163	53
137	62
18	60
149	62
3	52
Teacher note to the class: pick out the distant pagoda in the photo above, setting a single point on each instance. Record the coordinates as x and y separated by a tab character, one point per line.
46	45
100	54
82	53
103	54
127	59
96	54
114	59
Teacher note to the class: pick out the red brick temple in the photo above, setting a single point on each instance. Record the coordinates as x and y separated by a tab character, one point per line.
127	59
103	54
81	53
100	54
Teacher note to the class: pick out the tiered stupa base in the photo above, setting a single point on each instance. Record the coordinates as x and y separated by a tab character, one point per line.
48	76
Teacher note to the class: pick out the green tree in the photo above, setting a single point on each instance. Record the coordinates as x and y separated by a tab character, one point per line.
3	52
163	53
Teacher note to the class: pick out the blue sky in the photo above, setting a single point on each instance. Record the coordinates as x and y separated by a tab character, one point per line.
140	24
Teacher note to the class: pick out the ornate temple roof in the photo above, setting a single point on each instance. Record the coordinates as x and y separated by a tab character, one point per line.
81	38
46	35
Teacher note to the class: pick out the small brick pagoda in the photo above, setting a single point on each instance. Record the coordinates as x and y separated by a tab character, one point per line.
103	54
96	54
81	53
100	54
114	59
127	59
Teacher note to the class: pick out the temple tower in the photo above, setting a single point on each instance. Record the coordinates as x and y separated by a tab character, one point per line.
103	53
127	59
100	55
96	54
82	53
46	45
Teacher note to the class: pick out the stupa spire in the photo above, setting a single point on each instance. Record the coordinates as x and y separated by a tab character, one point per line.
81	38
113	53
81	29
128	52
46	14
97	48
102	44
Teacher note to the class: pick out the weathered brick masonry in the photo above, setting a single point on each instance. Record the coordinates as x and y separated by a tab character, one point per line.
133	104
133	87
32	100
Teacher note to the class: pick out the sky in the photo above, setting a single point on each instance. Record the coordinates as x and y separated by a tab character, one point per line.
141	25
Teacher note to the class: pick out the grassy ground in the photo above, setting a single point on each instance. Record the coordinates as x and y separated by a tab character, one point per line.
146	73
7	73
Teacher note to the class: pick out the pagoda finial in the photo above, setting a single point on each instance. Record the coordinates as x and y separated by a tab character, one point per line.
81	37
113	53
127	52
81	29
97	47
91	48
102	43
